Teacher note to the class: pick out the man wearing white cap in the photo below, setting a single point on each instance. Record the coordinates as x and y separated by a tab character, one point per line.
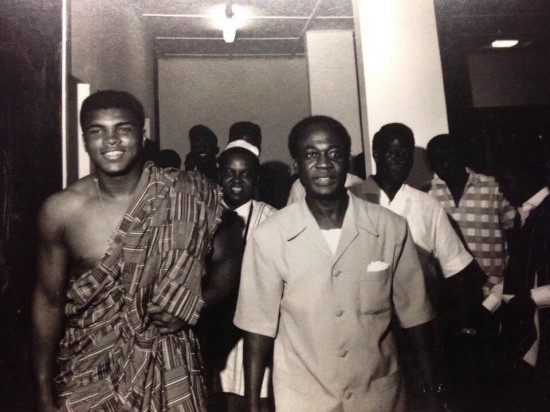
238	175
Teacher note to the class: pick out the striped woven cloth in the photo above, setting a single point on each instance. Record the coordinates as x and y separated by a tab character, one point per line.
111	358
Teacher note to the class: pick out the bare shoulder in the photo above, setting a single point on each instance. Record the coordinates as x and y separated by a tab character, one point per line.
59	207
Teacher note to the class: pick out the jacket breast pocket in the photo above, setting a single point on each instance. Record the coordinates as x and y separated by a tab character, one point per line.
375	291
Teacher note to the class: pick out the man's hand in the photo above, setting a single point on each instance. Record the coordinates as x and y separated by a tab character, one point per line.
165	322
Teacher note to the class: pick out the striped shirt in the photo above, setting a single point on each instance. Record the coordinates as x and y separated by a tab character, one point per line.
111	358
481	216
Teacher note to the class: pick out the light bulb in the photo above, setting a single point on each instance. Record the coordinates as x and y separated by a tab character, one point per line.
504	43
229	30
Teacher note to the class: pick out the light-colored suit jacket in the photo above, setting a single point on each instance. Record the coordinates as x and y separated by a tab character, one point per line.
331	314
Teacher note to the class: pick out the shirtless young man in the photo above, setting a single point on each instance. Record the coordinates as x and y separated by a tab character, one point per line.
121	255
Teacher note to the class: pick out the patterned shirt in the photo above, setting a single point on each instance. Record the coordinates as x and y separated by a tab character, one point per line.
481	216
111	358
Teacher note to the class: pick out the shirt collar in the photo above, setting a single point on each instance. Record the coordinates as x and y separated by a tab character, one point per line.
243	210
473	178
354	213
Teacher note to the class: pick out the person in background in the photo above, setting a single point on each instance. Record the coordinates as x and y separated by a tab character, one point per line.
273	177
438	246
358	166
324	279
238	174
121	255
453	279
482	215
168	158
204	148
525	296
248	131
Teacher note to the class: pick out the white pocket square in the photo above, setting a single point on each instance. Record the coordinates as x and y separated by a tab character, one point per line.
377	266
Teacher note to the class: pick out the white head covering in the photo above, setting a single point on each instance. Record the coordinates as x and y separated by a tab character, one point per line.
245	145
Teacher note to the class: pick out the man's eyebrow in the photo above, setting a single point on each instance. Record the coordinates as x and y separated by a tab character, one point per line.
88	126
332	146
124	124
116	124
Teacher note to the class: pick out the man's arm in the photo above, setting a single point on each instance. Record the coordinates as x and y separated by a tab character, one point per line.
415	314
257	349
47	309
421	340
465	289
223	267
224	264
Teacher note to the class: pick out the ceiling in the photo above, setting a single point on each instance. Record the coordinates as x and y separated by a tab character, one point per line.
474	24
274	28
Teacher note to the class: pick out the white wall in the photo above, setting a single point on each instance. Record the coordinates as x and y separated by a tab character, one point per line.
401	70
270	92
333	80
110	48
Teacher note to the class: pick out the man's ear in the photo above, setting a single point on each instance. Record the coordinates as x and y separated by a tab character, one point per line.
143	138
375	155
84	141
295	164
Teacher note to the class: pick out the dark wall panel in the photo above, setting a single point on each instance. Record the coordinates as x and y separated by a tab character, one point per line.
30	164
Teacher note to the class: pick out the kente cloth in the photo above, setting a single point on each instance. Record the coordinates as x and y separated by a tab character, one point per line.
111	357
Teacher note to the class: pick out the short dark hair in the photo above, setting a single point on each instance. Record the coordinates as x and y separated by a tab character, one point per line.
251	130
168	158
391	131
318	122
446	143
226	154
201	130
112	99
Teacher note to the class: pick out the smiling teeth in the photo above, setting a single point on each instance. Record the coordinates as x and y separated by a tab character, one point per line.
113	155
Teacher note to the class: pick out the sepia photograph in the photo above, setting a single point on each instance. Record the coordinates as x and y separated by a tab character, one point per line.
275	205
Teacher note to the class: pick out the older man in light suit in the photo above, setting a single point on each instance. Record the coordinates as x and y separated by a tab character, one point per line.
324	278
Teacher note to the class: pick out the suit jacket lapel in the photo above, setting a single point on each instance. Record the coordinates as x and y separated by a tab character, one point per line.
306	226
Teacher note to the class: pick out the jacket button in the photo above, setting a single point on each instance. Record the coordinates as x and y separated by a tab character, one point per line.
337	273
339	312
343	353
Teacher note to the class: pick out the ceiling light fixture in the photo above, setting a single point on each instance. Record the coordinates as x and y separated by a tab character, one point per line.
229	28
504	43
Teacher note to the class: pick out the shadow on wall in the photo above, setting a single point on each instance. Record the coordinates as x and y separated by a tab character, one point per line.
421	171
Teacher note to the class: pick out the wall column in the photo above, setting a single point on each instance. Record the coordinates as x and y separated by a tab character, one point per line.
401	71
333	80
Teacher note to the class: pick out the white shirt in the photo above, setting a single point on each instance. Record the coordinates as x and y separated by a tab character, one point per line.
432	233
332	236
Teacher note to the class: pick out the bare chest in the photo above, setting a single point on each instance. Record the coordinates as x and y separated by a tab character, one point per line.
90	231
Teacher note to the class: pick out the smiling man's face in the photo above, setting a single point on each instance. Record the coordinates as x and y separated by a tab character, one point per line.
113	140
322	163
238	177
